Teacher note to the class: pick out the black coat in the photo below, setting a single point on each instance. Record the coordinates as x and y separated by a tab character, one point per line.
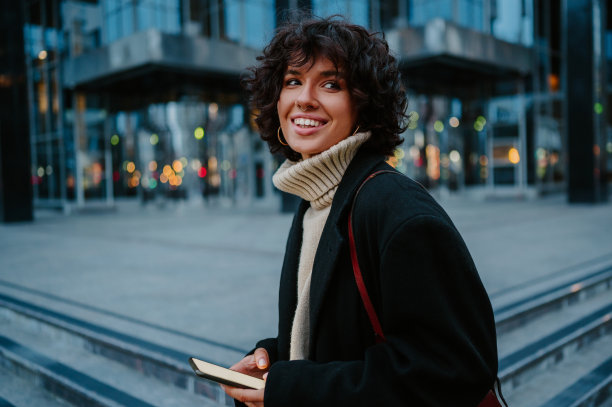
441	344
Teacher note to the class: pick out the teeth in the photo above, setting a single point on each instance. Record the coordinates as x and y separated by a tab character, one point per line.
306	122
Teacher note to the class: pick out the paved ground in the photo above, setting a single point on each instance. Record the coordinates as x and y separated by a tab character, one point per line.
212	272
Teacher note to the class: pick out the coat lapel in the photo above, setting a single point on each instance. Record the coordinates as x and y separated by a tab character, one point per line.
333	237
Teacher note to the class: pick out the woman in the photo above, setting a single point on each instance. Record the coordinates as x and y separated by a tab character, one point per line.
330	98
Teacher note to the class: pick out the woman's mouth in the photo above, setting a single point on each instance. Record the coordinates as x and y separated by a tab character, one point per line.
307	123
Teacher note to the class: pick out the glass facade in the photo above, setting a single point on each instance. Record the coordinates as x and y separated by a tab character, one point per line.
91	146
247	22
254	30
182	149
508	20
125	17
512	21
44	46
192	136
355	10
511	137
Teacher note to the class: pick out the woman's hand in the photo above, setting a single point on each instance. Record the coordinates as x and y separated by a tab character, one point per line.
256	365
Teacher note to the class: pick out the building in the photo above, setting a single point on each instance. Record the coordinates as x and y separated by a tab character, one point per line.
143	98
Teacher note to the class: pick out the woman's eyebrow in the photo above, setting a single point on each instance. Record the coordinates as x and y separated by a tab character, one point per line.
338	74
332	73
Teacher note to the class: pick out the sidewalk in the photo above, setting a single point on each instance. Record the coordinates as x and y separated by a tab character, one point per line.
205	280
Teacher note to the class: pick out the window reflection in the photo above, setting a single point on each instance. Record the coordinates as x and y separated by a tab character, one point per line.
354	10
248	22
124	18
421	11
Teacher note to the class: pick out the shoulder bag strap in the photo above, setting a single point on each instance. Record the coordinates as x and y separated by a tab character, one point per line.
363	292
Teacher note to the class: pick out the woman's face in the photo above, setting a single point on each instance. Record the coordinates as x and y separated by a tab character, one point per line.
315	108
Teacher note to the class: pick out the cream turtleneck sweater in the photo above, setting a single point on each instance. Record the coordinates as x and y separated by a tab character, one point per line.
316	180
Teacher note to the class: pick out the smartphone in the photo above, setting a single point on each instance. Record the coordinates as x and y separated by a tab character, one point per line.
225	376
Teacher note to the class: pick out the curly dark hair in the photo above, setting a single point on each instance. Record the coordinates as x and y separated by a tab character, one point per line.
371	73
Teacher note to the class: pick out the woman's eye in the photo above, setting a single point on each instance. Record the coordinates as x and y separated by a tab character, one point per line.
292	82
331	85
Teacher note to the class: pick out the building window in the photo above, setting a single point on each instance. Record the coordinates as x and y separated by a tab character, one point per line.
249	22
421	11
125	17
355	10
513	21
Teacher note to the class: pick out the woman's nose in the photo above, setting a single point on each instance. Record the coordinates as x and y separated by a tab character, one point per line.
306	99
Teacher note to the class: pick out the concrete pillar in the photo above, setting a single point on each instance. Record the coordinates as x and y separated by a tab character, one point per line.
15	172
586	100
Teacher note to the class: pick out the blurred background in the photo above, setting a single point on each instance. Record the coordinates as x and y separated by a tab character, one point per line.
139	225
141	99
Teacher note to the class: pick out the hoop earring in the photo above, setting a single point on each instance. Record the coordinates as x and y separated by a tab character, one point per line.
279	138
355	132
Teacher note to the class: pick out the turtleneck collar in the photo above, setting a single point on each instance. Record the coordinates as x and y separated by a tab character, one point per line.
316	179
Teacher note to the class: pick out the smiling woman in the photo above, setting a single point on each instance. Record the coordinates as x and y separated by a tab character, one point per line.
315	109
330	98
358	61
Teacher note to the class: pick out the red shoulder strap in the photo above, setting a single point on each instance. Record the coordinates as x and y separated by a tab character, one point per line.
363	292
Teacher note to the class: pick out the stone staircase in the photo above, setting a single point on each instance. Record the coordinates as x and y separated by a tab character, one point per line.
55	359
554	339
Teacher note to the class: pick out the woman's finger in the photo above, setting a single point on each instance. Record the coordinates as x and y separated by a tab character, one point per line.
244	395
262	360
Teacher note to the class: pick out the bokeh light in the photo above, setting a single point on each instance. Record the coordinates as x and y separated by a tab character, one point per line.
513	156
439	126
413	120
177	166
598	108
183	161
480	123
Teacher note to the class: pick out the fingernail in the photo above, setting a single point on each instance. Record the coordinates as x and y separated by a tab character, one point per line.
261	362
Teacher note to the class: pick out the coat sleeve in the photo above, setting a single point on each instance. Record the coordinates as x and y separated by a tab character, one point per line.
440	348
271	346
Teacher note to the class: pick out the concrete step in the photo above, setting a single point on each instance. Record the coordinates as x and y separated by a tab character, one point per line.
548	324
92	365
554	341
592	389
580	379
526	350
519	365
512	311
30	395
133	327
